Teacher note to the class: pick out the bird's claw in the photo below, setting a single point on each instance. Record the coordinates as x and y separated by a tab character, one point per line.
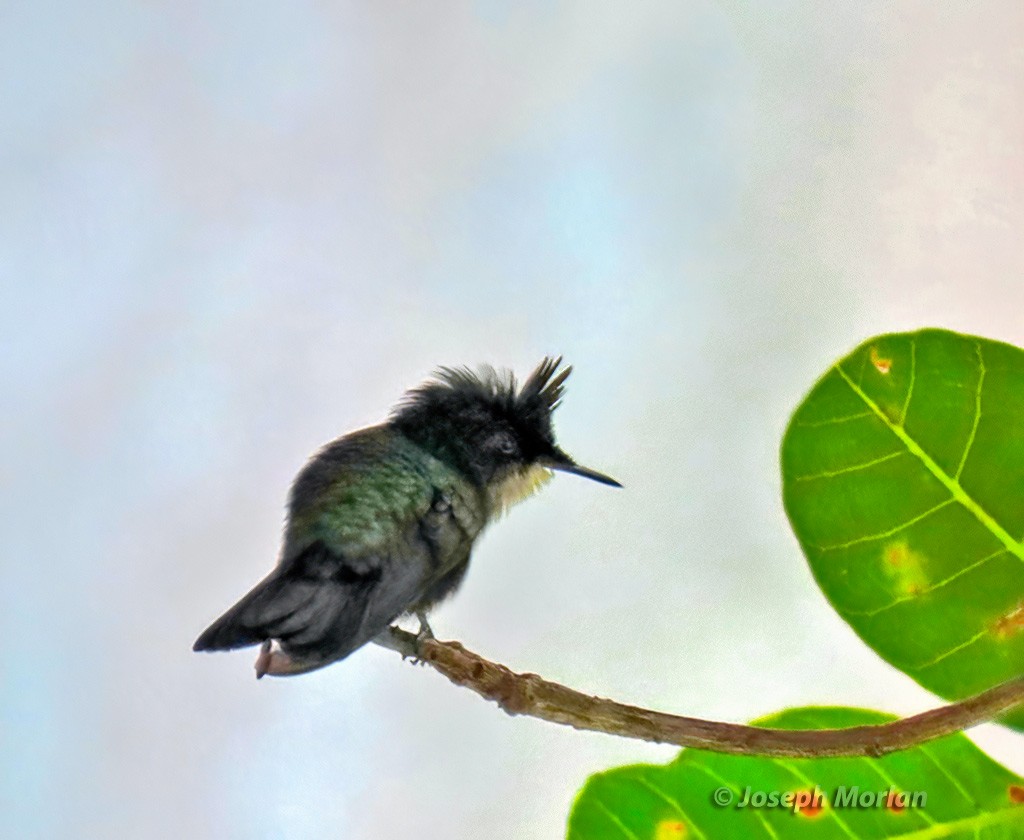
423	635
425	631
404	642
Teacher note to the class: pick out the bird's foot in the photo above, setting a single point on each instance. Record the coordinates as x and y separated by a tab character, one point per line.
396	639
425	631
402	641
423	635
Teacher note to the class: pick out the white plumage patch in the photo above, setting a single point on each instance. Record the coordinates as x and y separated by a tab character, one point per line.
516	487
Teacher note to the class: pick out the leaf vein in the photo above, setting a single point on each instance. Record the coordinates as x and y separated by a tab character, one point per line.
881	535
893	785
853	468
767	826
608	812
950	483
928	589
931	663
913	377
977	821
977	411
830	812
927	753
813	424
674	803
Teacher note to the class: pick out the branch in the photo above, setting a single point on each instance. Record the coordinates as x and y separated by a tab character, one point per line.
529	694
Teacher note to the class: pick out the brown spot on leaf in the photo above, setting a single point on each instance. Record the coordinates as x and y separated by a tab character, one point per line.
896	801
896	554
1009	624
670	830
904	567
809	803
882	364
1016	794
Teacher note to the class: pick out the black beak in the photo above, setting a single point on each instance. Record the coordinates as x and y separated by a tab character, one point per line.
563	463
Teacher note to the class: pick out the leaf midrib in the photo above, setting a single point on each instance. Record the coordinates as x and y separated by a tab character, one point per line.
1012	813
950	483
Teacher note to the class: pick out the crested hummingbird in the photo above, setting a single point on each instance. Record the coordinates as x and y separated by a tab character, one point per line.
381	521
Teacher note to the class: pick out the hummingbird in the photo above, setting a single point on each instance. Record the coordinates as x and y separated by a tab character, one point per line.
381	522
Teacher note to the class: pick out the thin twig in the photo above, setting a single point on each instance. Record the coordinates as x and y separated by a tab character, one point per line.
529	694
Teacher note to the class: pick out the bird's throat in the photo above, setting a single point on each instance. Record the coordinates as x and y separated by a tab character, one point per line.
514	488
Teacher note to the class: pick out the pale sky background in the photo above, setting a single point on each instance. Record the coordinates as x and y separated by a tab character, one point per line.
230	232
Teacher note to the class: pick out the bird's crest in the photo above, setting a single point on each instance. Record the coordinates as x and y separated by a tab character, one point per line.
540	394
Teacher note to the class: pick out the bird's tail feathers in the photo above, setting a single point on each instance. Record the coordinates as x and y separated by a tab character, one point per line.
317	617
245	623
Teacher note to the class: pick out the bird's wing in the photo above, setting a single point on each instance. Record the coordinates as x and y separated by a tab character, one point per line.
366	538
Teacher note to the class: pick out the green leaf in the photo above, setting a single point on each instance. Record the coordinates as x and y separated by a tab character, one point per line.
965	793
903	478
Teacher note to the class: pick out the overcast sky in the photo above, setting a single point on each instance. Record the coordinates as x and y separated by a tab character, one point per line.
230	232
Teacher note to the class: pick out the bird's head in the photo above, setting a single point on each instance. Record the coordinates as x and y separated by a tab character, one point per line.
498	434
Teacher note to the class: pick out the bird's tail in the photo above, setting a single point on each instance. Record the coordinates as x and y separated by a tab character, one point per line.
247	622
311	607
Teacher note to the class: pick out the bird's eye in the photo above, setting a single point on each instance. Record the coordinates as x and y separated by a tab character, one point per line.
506	446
